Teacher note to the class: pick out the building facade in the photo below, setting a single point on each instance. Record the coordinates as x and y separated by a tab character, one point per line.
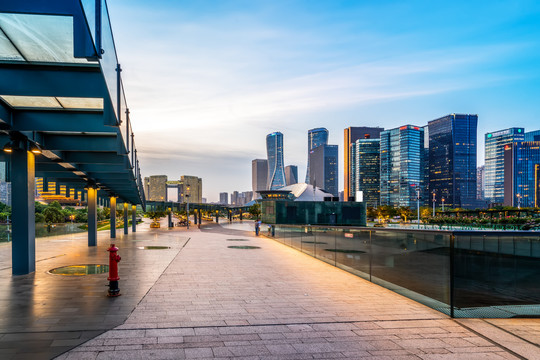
157	188
532	136
291	174
402	173
366	166
324	168
521	160
480	187
316	138
452	159
276	172
224	198
259	174
190	186
351	134
495	143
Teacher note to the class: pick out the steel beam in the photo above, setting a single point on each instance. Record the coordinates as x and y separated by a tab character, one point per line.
23	249
92	216
113	216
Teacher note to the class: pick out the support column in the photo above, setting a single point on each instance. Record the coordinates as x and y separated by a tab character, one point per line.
23	248
92	216
126	221
133	218
195	216
200	218
113	216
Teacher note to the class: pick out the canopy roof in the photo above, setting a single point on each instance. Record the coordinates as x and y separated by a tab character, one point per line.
62	89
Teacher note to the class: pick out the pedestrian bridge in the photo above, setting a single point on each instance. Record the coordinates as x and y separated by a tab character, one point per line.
63	112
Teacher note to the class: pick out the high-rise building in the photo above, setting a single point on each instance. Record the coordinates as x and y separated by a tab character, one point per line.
259	174
248	196
276	173
157	188
351	134
146	188
291	174
324	168
480	184
224	198
234	198
402	166
316	138
366	167
452	159
521	160
494	163
532	136
190	186
537	185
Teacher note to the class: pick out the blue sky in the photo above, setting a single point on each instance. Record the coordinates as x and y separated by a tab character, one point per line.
207	80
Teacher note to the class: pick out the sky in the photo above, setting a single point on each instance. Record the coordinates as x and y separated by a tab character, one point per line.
206	81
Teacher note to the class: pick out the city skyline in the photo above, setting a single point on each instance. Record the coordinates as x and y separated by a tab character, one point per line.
238	71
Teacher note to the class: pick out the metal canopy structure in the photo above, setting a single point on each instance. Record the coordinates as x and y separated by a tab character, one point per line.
62	96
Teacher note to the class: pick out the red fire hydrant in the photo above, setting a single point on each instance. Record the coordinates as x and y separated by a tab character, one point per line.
113	278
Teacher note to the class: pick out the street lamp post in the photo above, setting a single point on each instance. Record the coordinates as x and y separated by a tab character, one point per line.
519	200
418	205
187	205
434	204
442	204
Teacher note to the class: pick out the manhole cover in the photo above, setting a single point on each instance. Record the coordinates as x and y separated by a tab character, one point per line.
346	251
153	247
237	240
313	242
243	247
80	270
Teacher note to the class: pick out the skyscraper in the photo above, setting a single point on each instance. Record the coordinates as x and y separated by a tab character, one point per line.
402	166
274	149
366	165
291	174
316	137
259	174
324	168
352	134
452	159
521	159
495	143
532	136
224	198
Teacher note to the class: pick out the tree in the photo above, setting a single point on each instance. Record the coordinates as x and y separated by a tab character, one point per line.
255	210
55	204
53	215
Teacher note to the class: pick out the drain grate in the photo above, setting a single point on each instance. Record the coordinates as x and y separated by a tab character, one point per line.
153	247
243	247
237	240
80	270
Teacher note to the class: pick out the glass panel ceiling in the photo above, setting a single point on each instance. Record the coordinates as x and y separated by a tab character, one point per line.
37	38
53	102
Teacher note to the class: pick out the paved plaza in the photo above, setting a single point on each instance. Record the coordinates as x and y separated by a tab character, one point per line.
202	299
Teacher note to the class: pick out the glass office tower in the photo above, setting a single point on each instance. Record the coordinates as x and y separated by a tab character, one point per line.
521	160
402	166
274	150
494	164
366	164
452	159
324	168
316	138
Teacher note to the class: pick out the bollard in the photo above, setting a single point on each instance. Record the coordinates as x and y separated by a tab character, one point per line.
113	278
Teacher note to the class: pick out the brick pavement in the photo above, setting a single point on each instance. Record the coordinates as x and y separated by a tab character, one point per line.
277	303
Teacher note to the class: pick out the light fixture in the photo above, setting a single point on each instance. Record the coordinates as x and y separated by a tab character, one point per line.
35	148
8	147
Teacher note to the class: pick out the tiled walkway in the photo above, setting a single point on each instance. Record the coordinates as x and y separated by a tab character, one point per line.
212	301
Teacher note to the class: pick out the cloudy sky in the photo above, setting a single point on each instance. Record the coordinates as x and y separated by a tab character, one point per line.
207	80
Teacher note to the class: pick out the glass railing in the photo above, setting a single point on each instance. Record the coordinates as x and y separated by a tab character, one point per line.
460	273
